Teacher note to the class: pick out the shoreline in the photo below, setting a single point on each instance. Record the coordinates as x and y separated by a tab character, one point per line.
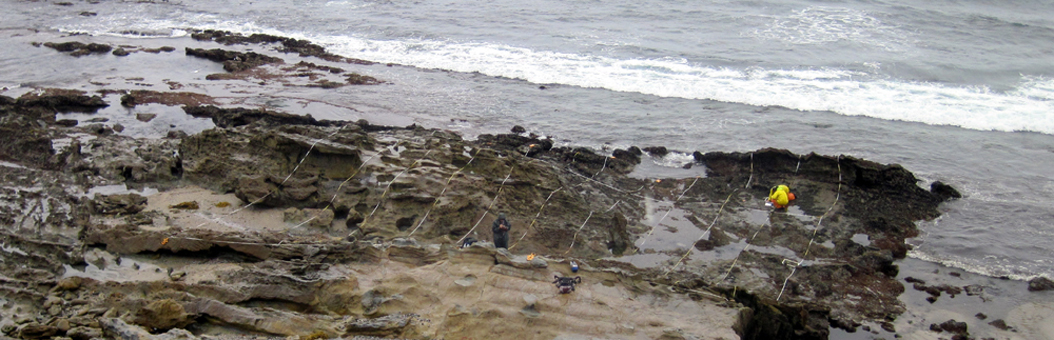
901	261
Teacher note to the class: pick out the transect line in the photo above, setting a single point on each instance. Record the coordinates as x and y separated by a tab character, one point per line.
337	192
576	233
837	196
389	186
751	178
441	193
664	216
492	202
331	200
736	260
625	192
536	217
705	233
258	200
795	268
603	167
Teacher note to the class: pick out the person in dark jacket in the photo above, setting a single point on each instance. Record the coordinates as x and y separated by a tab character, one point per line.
501	228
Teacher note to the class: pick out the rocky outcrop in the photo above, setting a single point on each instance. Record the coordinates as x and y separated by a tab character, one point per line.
235	117
957	328
233	160
1040	284
139	97
351	201
118	204
128	239
162	315
287	45
24	124
78	49
233	61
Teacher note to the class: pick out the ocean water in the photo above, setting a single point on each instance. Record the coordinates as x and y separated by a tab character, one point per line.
956	91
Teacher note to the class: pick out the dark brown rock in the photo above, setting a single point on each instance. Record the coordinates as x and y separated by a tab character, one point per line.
233	61
190	205
78	49
238	116
944	191
145	117
84	333
951	326
999	323
63	102
289	45
34	330
358	79
1040	284
658	151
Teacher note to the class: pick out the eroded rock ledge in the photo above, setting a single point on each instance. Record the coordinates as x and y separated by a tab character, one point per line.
306	227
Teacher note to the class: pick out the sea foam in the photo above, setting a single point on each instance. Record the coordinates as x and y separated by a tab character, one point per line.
1026	107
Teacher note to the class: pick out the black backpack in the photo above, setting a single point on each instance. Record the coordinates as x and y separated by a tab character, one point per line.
566	284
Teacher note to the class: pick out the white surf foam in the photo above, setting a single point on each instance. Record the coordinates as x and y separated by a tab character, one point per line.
133	27
999	268
1028	107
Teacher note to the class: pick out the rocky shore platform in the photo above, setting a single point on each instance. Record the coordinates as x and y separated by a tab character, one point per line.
226	219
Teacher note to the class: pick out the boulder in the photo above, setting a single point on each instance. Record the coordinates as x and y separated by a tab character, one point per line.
657	151
1040	284
124	204
951	326
163	315
84	333
944	191
999	323
35	330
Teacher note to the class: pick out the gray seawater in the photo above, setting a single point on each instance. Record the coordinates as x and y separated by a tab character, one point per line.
956	91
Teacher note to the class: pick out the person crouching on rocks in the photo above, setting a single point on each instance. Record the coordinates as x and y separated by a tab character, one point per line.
780	196
501	232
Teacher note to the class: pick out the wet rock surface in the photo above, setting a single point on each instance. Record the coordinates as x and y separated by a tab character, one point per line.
1040	284
78	49
233	61
286	45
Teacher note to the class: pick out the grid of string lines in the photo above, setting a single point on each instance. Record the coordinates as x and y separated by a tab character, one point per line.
497	195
